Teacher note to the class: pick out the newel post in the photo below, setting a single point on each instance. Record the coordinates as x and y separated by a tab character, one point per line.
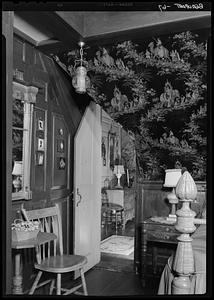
183	264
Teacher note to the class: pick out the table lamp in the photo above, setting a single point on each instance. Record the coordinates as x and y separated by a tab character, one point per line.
119	171
17	171
171	179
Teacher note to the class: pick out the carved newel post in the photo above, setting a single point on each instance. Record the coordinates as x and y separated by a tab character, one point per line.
183	264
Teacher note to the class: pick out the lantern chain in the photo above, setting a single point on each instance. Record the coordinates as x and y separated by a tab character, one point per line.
81	55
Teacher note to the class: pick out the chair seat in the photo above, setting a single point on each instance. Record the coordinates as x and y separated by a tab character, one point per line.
62	263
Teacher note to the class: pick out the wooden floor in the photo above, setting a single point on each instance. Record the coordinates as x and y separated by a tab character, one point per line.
113	276
109	283
106	283
119	263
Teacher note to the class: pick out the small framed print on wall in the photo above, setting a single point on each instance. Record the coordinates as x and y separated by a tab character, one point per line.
60	131
61	163
39	158
60	145
41	146
103	151
40	124
111	149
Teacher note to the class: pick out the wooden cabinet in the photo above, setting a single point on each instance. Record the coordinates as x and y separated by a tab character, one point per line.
151	201
161	234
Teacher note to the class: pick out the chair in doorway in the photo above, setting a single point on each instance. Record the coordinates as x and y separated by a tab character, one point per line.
111	213
50	257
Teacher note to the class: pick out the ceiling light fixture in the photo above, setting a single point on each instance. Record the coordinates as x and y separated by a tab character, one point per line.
80	81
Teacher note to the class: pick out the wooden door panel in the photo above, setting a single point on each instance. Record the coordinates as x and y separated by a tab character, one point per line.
87	186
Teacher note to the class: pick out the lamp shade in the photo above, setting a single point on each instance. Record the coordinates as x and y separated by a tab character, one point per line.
171	177
17	168
119	169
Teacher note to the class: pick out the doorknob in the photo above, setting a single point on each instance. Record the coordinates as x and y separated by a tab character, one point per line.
80	197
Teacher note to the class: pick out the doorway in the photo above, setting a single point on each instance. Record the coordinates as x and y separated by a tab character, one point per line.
117	204
117	240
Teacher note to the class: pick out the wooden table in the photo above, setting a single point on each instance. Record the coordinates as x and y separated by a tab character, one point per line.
42	238
156	232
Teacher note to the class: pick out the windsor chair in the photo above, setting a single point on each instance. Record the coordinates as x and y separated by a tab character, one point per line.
50	257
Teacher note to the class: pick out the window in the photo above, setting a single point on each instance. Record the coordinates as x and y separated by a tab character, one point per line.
23	99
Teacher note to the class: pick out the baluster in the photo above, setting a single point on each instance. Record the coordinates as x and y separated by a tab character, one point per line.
183	264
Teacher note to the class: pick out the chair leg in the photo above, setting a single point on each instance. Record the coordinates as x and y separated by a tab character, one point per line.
123	220
83	282
116	222
35	283
51	287
58	284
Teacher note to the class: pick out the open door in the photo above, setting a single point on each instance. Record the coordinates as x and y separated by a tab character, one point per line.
87	186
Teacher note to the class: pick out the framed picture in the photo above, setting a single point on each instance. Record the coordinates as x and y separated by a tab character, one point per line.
40	158
60	131
60	145
40	124
41	145
103	151
116	151
61	163
111	149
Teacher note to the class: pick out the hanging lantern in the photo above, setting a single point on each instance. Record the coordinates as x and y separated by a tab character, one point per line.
80	81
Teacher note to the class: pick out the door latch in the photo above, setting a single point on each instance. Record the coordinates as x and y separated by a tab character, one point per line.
80	197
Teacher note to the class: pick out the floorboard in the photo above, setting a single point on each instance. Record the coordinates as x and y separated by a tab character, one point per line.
108	283
114	275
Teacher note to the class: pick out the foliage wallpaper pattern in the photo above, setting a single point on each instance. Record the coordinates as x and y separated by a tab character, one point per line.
157	89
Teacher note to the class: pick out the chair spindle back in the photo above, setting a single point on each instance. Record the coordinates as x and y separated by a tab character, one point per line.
50	221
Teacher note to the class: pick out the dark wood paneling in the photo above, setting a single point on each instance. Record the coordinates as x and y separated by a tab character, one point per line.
61	151
18	55
155	202
54	98
29	54
7	76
